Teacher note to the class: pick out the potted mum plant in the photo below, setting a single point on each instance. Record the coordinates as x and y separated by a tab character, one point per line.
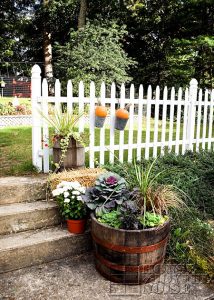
68	143
130	228
72	208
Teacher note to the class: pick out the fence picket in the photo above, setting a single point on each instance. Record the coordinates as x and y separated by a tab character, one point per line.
112	120
45	133
198	128
164	111
81	107
102	130
121	134
157	106
210	120
69	96
178	125
131	121
57	95
36	117
139	123
186	103
204	133
148	116
171	118
91	124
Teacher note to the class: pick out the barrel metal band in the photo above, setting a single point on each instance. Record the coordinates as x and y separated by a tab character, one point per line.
141	268
128	249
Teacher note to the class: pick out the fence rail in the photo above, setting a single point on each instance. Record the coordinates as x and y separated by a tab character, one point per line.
179	121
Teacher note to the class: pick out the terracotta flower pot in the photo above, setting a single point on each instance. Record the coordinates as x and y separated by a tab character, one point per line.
76	226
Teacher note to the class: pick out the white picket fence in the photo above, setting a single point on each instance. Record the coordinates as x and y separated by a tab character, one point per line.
186	121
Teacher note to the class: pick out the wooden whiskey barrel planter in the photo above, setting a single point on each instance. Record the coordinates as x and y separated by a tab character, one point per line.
129	256
75	155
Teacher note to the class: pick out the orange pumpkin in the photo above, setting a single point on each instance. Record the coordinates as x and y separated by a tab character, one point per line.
101	111
122	113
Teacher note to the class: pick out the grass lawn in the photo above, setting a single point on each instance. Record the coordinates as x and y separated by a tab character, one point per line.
15	151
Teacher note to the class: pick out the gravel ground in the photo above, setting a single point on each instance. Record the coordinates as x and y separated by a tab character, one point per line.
76	278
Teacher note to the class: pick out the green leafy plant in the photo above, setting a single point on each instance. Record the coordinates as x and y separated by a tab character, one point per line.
152	220
111	218
109	191
69	198
64	125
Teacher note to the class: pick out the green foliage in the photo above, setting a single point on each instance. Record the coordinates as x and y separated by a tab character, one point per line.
152	220
6	109
94	54
108	193
111	218
192	237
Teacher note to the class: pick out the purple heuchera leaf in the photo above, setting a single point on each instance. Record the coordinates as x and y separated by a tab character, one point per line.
111	180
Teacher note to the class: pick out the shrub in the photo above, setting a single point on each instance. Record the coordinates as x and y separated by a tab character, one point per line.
192	239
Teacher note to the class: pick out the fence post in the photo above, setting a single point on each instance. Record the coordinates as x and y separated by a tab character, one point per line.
36	118
190	129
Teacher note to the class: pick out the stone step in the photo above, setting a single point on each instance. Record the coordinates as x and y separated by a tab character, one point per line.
35	247
19	217
22	189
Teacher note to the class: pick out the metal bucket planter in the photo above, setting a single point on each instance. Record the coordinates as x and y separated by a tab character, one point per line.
120	123
99	121
129	256
75	155
100	115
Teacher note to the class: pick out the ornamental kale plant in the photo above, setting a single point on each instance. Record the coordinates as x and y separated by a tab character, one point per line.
109	191
69	198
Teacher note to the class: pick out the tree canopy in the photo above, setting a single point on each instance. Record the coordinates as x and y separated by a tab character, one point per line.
171	41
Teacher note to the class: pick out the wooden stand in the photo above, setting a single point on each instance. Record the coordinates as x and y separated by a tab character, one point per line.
75	155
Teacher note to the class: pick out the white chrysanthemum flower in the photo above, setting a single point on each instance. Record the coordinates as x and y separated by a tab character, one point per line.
75	184
72	197
66	194
67	200
79	198
82	189
76	193
62	184
57	192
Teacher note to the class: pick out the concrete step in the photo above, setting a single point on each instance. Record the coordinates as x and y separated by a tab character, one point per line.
19	217
35	247
22	189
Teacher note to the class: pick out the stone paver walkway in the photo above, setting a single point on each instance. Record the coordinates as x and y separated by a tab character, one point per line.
76	279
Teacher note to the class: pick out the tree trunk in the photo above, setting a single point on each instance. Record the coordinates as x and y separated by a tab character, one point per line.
82	14
47	52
